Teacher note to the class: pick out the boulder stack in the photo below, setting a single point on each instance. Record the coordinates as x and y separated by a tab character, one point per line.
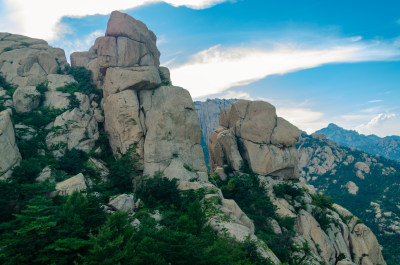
27	62
160	120
252	135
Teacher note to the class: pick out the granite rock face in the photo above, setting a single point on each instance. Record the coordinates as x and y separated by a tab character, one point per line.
255	134
9	153
73	129
127	43
159	120
26	99
27	62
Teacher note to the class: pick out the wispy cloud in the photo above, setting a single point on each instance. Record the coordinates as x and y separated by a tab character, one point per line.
219	68
41	18
79	44
237	95
305	118
383	124
375	101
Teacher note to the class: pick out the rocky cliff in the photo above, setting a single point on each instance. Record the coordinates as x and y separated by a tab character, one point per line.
366	184
208	114
161	121
388	147
254	141
116	133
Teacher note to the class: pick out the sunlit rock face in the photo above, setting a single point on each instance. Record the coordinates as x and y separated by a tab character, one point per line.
159	120
253	134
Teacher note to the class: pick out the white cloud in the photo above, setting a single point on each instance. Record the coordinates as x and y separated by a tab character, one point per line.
236	95
219	68
382	125
375	101
305	119
79	44
41	18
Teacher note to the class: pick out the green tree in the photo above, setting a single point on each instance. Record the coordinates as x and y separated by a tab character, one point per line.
114	243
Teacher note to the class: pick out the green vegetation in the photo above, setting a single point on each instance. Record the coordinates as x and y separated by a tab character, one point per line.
83	85
74	229
251	197
376	187
164	80
287	189
9	88
7	49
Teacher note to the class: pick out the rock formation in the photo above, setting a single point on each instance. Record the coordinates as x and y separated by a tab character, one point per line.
127	43
208	114
253	134
345	240
27	62
160	121
9	153
361	182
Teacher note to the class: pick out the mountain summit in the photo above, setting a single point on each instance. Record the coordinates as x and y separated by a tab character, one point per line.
388	147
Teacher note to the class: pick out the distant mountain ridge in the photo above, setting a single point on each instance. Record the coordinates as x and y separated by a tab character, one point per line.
388	147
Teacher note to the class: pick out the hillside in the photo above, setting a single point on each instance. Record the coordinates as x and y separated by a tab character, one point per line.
331	169
101	163
365	184
388	146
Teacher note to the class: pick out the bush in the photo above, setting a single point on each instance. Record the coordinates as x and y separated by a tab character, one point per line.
124	170
73	161
287	189
164	79
83	77
322	201
42	89
27	171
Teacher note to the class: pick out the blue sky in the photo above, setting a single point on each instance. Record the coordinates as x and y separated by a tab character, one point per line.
316	61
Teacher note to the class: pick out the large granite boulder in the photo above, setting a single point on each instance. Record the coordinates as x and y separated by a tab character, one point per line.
68	186
252	133
136	78
57	99
73	129
9	153
172	130
123	202
27	62
127	43
124	121
26	99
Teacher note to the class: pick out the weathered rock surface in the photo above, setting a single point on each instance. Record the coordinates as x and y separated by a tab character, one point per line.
362	182
135	78
44	175
209	113
24	132
362	240
27	62
127	43
254	133
122	121
123	202
73	129
26	99
57	99
68	186
9	153
160	121
172	130
352	188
